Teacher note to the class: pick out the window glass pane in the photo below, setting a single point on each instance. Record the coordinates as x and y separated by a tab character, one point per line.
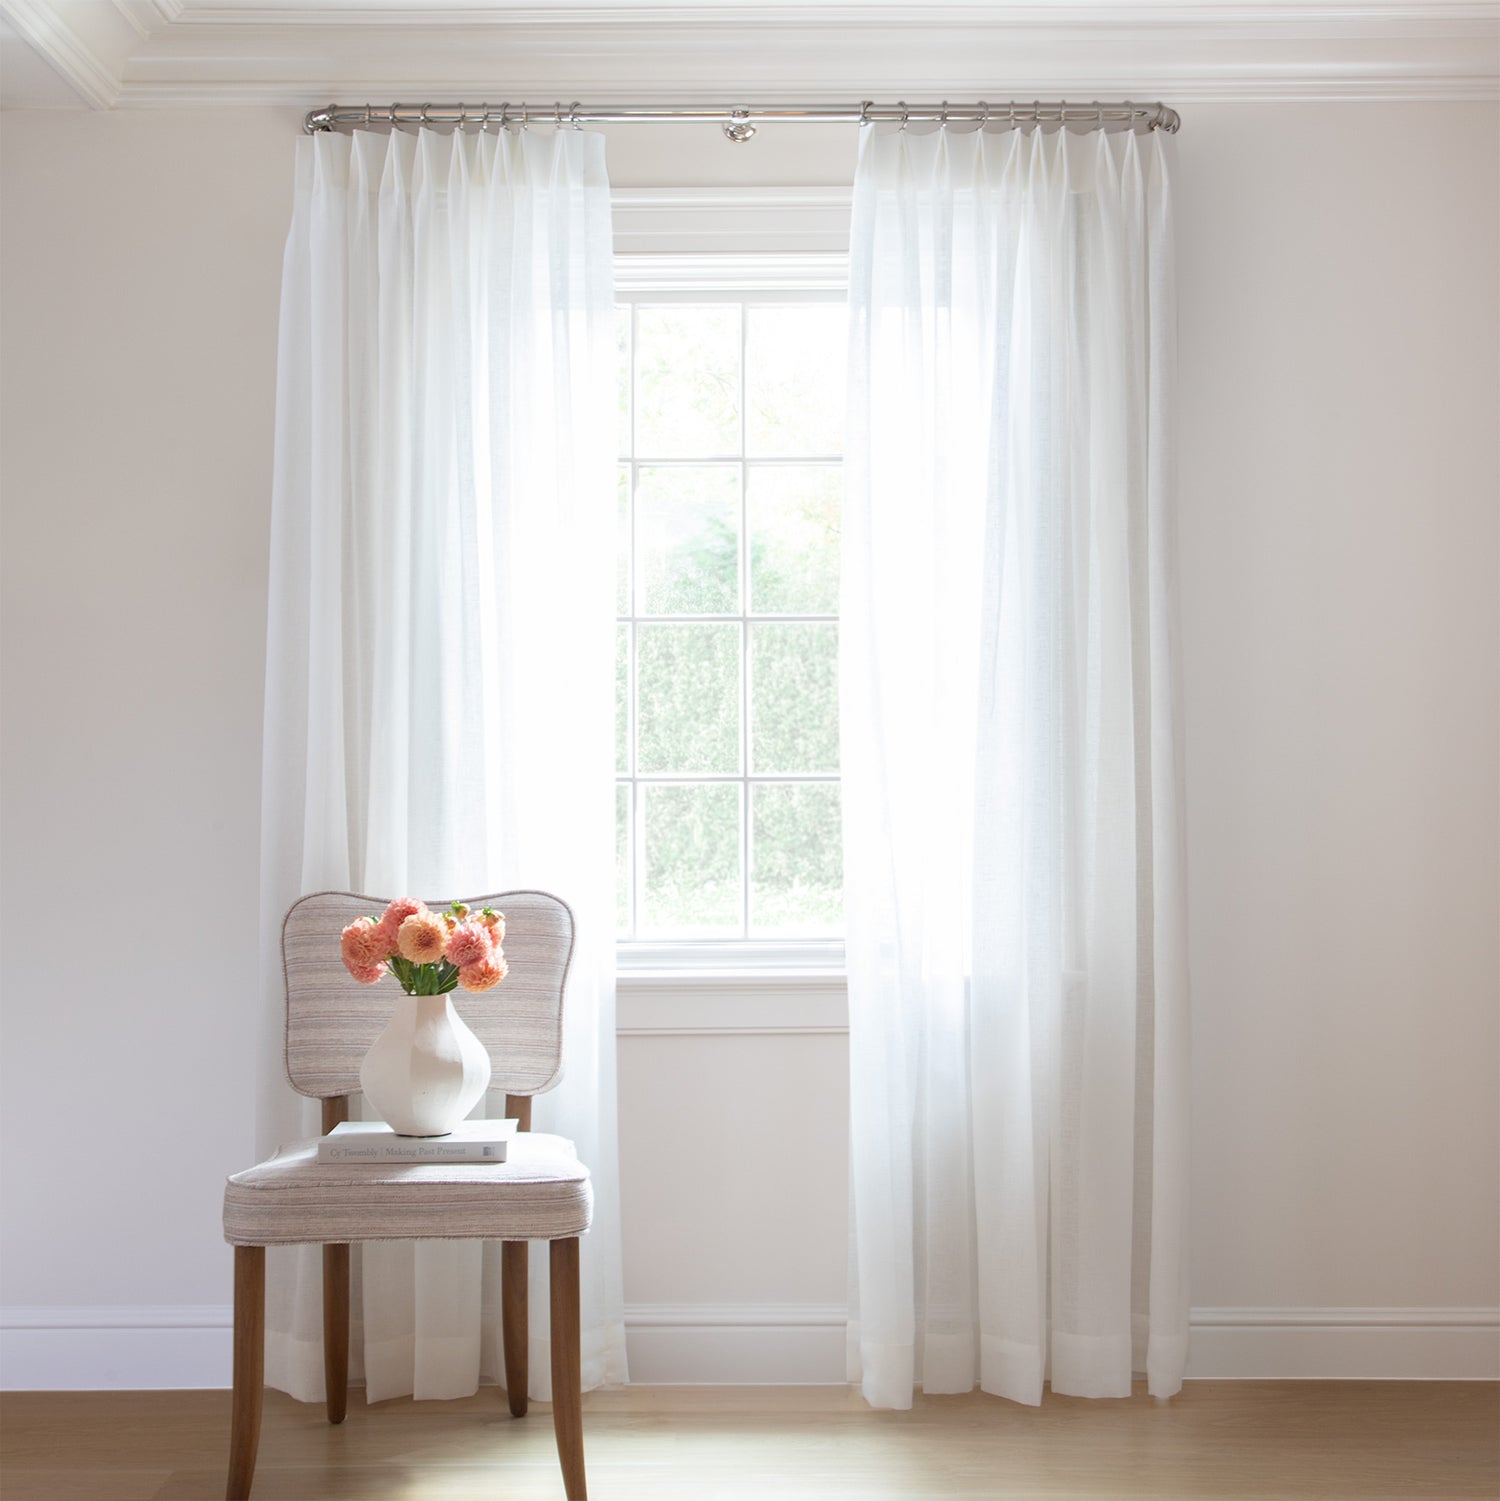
794	698
692	860
794	538
623	875
687	381
622	544
622	336
622	700
794	380
688	698
687	523
796	877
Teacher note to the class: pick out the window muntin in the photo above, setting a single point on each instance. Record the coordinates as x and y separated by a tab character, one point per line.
731	412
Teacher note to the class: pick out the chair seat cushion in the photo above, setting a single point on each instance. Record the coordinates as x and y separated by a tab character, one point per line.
541	1192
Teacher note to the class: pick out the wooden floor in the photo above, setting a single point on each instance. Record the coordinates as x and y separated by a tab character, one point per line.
1245	1440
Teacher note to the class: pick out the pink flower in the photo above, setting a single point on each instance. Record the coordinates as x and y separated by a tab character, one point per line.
495	922
363	944
365	974
396	914
483	974
422	937
469	942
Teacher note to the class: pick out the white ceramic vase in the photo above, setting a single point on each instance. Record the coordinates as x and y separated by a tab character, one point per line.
427	1070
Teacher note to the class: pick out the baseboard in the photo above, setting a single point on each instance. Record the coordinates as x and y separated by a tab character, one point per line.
1344	1344
115	1348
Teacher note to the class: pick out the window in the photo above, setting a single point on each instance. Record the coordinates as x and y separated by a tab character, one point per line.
731	418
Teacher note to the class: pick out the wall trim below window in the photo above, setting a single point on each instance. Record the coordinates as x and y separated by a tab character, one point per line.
688	1006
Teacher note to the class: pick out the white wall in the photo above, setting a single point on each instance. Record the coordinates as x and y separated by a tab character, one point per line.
1338	545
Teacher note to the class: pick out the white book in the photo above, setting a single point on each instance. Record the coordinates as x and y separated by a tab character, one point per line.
374	1141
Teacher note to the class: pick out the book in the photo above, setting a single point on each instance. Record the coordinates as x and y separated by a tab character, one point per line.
374	1141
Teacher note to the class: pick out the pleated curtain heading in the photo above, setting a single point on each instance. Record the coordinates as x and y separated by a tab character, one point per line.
1012	768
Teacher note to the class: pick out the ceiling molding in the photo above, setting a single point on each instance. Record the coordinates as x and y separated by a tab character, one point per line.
199	53
54	39
145	16
1430	88
1279	17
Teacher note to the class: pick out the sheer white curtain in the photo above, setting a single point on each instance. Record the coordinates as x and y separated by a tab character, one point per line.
1012	776
439	699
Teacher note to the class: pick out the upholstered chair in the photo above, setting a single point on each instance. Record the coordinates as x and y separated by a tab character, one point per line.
541	1191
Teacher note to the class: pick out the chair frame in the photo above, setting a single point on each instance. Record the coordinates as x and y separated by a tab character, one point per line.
567	1378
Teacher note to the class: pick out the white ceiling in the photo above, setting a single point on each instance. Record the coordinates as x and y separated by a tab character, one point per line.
163	53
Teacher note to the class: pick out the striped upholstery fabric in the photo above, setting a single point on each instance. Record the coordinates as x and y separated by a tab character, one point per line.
541	1192
331	1019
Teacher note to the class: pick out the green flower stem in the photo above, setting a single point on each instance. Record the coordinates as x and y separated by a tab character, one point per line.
424	979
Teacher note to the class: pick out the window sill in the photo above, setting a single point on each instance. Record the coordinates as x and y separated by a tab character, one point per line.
691	989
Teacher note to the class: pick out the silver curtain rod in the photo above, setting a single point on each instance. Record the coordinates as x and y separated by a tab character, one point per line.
738	121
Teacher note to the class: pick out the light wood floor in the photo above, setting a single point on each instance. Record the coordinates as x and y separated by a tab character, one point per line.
1271	1439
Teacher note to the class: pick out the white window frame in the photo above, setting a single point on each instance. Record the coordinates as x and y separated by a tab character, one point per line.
760	985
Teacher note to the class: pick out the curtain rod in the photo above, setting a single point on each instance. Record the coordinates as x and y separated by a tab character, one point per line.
738	121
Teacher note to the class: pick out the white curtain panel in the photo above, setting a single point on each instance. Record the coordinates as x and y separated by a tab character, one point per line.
439	701
1012	774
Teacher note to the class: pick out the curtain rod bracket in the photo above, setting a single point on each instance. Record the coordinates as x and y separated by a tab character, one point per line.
737	127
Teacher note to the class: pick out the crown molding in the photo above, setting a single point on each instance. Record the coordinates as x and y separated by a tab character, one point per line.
1289	18
145	16
197	53
56	41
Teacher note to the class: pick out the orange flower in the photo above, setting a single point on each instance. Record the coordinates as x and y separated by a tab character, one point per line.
483	974
396	914
363	945
468	943
422	938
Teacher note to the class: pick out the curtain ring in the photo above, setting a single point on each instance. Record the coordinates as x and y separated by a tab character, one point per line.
573	115
984	115
505	115
557	114
367	115
1010	110
425	108
864	111
943	115
905	113
525	115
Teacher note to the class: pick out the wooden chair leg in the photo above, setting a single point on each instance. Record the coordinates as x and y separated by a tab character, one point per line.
567	1370
336	1330
513	1322
249	1367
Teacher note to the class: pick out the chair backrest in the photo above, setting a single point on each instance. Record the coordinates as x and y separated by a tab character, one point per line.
331	1019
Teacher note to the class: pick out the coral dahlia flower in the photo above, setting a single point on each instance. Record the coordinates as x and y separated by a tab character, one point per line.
483	974
422	937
